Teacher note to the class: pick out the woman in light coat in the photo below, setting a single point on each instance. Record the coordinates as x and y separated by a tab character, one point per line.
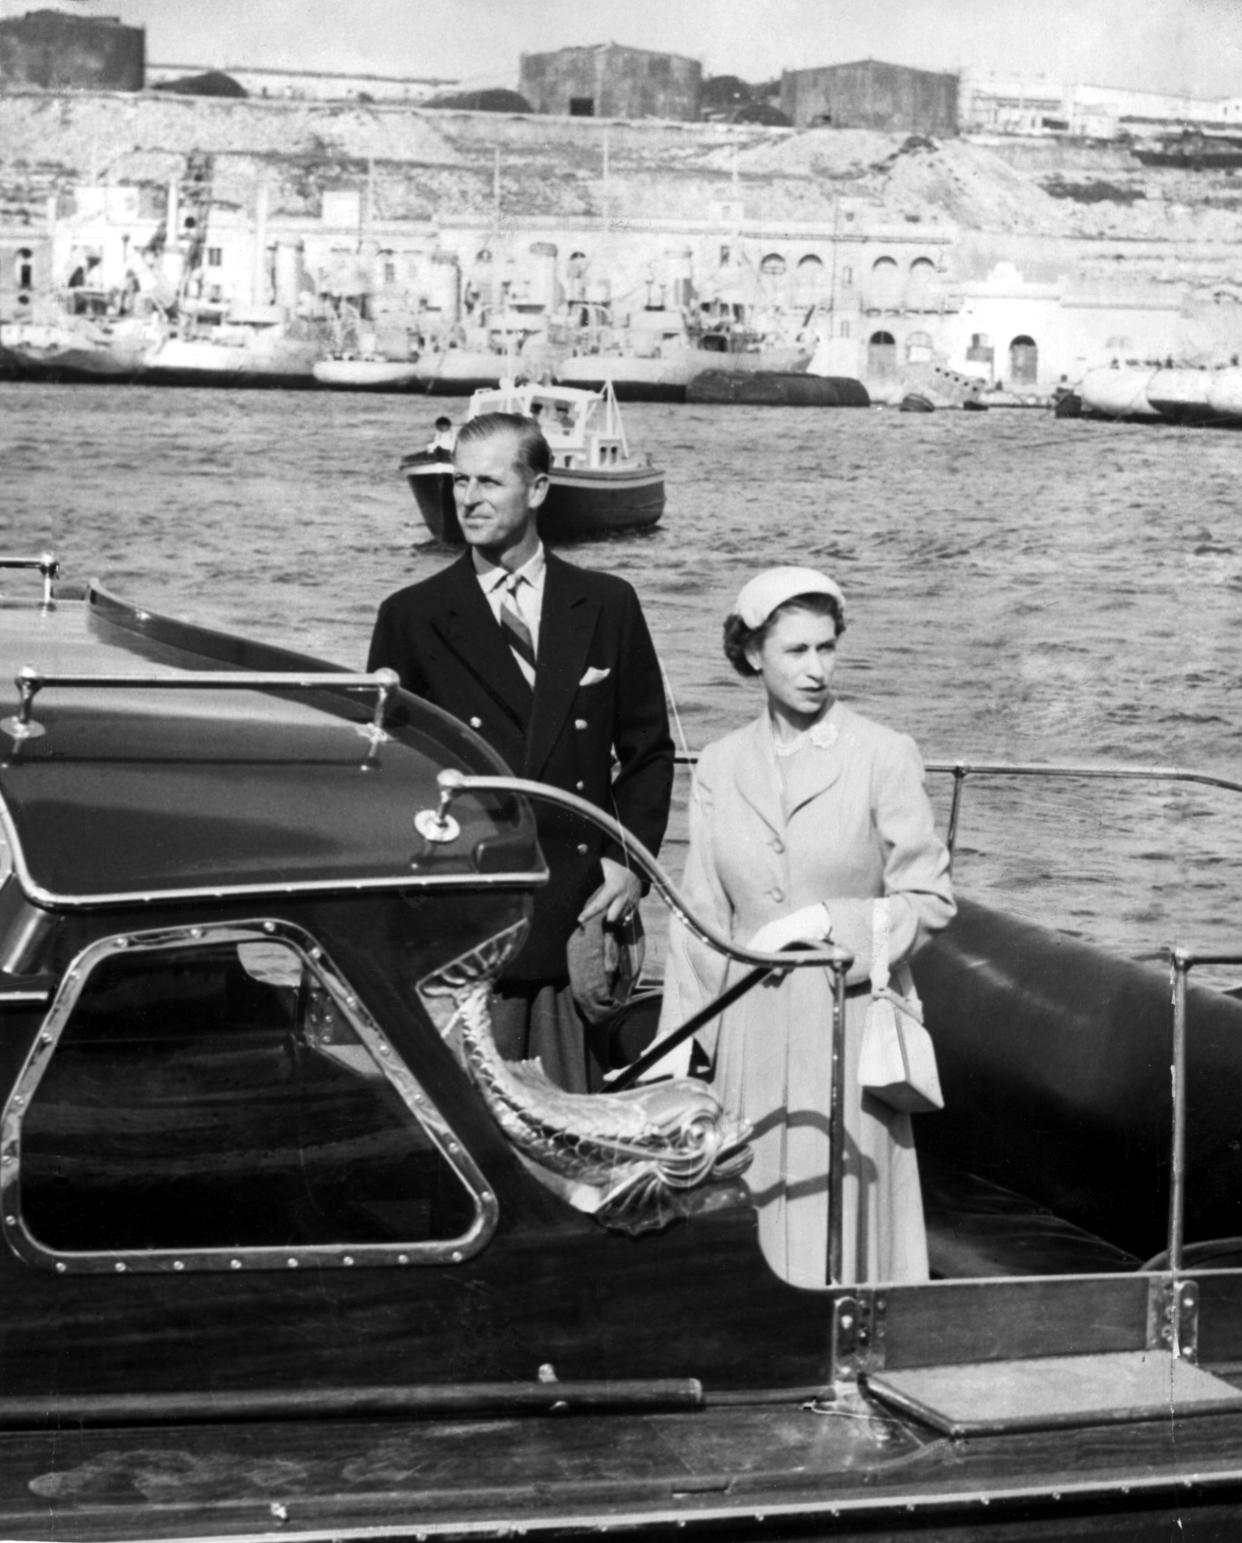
798	823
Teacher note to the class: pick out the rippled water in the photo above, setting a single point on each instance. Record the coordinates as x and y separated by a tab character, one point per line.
1019	587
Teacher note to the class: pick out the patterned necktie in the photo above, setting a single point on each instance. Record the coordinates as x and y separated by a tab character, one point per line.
517	633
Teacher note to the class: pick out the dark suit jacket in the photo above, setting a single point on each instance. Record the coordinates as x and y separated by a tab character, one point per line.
598	694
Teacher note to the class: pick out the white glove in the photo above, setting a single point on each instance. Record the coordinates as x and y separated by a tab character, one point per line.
812	924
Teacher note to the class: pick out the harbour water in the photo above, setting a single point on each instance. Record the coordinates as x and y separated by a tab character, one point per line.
1019	588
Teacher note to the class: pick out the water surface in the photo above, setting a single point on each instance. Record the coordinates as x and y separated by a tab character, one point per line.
1018	587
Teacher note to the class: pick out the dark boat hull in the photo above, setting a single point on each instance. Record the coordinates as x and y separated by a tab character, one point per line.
777	388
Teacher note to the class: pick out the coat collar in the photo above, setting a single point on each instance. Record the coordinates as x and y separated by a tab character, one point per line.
776	790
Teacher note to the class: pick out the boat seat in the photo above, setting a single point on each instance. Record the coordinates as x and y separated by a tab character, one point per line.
977	1229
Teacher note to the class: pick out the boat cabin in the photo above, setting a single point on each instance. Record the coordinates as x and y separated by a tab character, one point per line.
583	428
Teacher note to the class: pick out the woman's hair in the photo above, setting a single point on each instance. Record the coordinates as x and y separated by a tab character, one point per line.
738	637
531	448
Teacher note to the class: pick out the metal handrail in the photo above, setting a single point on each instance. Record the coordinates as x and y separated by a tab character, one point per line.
961	769
47	565
30	681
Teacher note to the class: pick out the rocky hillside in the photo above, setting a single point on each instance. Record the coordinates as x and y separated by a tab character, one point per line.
428	164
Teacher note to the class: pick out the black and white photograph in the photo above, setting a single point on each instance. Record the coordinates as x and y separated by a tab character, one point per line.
620	771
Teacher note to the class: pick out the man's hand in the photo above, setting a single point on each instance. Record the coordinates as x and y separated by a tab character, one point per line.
617	895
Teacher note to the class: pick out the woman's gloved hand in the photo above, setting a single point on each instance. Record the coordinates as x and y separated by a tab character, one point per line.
812	924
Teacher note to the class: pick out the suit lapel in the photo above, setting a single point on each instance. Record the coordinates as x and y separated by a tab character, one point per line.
567	624
468	627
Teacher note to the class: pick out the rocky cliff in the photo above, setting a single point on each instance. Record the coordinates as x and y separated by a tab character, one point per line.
429	164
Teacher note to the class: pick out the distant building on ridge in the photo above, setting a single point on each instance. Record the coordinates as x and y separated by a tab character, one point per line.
609	80
870	95
54	51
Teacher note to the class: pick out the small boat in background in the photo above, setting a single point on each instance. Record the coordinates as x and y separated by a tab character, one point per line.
1167	394
597	485
340	373
1116	392
916	402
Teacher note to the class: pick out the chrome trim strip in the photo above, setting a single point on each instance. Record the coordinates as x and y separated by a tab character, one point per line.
30	680
384	1056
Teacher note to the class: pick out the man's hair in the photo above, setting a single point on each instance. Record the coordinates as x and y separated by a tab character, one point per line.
531	451
444	423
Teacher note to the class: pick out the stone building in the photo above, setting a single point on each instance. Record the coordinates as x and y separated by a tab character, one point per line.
611	81
54	51
871	95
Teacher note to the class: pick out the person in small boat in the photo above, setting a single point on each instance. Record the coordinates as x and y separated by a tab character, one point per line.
798	822
443	440
555	667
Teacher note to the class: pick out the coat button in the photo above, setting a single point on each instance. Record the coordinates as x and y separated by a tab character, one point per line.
777	894
476	723
583	848
581	786
777	844
580	723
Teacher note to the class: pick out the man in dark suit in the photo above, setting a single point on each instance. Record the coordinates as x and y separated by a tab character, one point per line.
554	666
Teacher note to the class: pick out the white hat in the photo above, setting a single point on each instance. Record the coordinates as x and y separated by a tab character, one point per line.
774	586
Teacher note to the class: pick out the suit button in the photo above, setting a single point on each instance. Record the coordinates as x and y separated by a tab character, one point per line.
476	723
777	844
580	786
777	894
583	848
580	723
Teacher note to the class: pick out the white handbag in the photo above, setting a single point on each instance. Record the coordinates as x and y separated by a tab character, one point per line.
897	1060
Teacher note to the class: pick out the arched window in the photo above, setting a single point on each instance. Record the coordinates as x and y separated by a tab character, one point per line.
809	277
922	267
773	265
24	268
881	354
1023	361
884	287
